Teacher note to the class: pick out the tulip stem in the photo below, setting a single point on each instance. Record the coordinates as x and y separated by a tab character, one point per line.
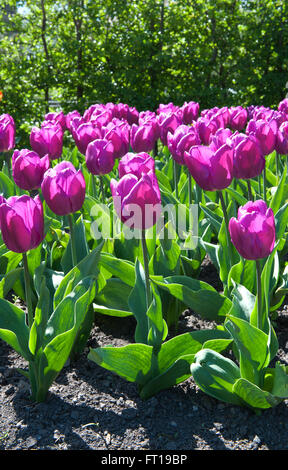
259	294
250	196
146	269
226	219
175	178
102	195
264	184
72	238
28	290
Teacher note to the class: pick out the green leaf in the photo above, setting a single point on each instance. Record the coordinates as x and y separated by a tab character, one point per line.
122	269
81	246
201	297
278	196
13	328
253	396
137	305
113	299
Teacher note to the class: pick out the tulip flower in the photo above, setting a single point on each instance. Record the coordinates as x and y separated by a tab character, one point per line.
48	139
119	133
253	235
58	117
63	189
189	112
83	134
265	132
22	228
140	195
7	133
69	118
28	169
136	164
100	157
281	144
143	137
181	141
168	123
205	128
283	106
238	117
249	160
212	170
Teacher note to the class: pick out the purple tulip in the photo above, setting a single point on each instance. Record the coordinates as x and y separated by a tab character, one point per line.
58	117
265	132
100	157
141	196
48	139
168	123
83	134
212	170
181	141
238	117
281	145
7	133
69	118
119	133
143	137
136	164
283	106
190	112
22	223
205	127
248	157
63	188
28	169
221	137
253	232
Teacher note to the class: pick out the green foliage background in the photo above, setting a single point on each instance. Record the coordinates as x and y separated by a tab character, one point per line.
143	52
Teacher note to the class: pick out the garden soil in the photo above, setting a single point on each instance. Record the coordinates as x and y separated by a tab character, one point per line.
89	408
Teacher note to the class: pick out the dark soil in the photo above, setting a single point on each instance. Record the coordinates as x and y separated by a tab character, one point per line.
89	408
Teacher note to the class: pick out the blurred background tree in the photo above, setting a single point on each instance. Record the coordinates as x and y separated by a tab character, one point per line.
69	54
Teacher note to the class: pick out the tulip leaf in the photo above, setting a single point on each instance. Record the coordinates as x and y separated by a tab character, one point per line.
81	246
122	269
281	221
201	297
253	396
6	186
112	299
278	196
13	328
137	305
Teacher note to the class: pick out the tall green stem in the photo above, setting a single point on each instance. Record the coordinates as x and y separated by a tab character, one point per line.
73	241
226	219
146	269
264	185
175	178
102	194
250	196
28	290
259	294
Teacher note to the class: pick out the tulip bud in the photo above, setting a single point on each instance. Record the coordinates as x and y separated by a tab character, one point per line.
212	170
136	164
238	118
7	133
168	123
281	144
28	169
141	196
119	133
205	128
253	232
48	139
100	157
83	134
58	117
216	375
63	188
189	112
265	132
22	223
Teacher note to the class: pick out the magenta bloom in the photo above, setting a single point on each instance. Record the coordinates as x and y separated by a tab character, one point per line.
63	188
137	199
205	128
212	170
265	132
281	144
22	223
253	232
7	133
168	123
28	169
69	118
48	139
190	112
221	137
283	106
135	164
119	133
143	138
249	160
181	141
83	134
238	117
58	117
100	157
